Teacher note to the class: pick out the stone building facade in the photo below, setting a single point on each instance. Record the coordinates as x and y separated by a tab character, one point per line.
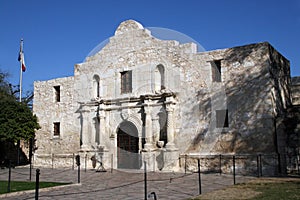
296	91
144	99
292	124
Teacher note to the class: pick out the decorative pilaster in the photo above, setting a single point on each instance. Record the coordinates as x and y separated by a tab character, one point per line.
84	130
170	127
101	128
148	128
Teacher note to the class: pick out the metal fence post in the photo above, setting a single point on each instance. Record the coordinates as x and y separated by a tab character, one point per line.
30	171
78	174
18	152
112	163
260	165
185	158
30	157
9	176
73	161
257	165
85	162
145	179
298	163
37	184
199	176
220	163
77	157
279	163
233	160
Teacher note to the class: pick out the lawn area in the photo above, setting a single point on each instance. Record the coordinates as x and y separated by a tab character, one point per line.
24	185
263	188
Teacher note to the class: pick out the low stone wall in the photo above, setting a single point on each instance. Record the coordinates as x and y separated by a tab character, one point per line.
55	160
69	160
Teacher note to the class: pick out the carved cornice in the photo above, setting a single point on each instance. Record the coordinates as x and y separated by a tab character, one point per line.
116	103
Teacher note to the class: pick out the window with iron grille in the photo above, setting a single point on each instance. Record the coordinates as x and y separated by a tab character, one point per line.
216	71
126	82
222	118
56	127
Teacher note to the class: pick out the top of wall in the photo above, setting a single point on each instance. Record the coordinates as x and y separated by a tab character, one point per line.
296	80
130	34
128	26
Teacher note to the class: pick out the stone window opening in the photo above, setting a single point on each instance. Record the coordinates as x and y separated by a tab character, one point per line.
56	129
126	82
216	71
159	78
222	118
57	93
96	86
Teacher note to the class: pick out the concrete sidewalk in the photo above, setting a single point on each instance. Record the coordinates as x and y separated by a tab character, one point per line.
119	184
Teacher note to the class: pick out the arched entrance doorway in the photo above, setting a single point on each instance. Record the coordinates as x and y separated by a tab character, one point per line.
128	146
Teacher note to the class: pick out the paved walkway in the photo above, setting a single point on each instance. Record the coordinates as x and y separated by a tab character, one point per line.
118	184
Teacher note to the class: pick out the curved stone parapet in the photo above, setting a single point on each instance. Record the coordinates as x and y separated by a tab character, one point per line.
128	25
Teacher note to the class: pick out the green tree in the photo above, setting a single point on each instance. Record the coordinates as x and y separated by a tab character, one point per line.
5	87
17	121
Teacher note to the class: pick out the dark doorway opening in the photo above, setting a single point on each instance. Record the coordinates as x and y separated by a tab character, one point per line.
128	146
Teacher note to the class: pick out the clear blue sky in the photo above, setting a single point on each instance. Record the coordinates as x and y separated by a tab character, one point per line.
60	33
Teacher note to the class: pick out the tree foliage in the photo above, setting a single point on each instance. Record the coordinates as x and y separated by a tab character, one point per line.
17	121
5	87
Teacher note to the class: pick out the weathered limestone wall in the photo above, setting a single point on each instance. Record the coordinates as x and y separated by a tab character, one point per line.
245	90
49	111
138	51
296	90
293	127
282	98
254	88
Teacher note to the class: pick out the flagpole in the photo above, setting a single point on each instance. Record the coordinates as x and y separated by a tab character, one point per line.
21	57
21	72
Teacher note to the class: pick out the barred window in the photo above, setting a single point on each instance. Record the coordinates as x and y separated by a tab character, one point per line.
56	130
222	118
126	82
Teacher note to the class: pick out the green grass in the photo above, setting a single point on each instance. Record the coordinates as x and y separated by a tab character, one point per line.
22	185
259	189
281	190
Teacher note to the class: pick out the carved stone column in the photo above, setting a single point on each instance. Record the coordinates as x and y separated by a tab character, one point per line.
102	128
95	131
170	126
148	128
84	130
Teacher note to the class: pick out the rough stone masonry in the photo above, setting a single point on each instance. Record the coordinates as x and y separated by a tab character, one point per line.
140	98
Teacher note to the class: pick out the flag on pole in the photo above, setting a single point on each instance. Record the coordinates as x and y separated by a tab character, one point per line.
21	57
